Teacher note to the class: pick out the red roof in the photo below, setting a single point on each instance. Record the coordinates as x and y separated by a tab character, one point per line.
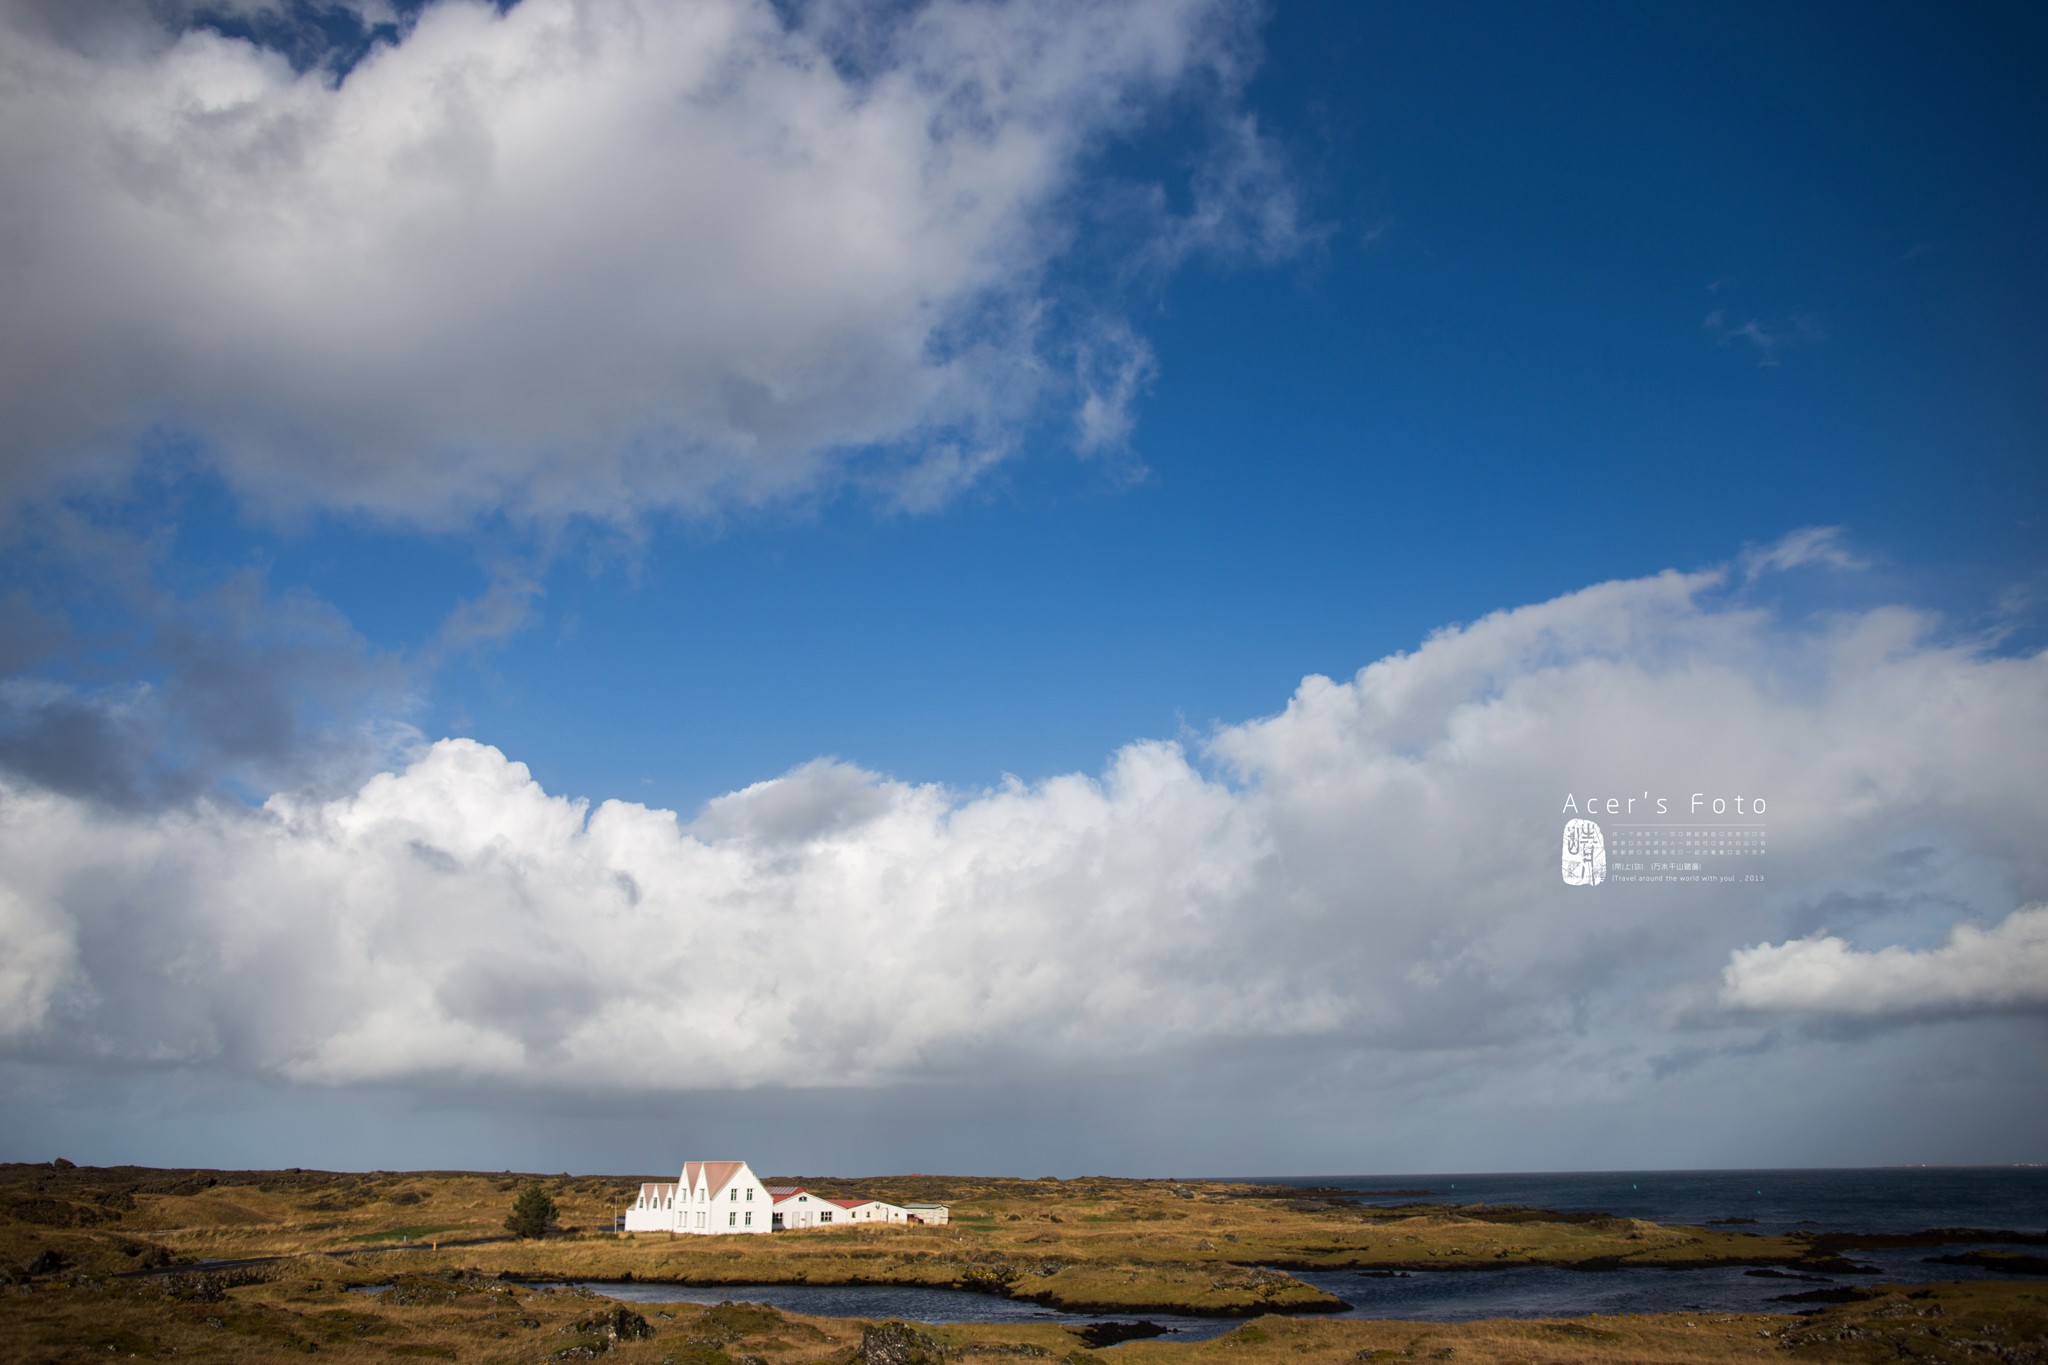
788	1192
717	1174
850	1203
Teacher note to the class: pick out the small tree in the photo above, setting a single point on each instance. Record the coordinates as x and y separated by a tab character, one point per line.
533	1213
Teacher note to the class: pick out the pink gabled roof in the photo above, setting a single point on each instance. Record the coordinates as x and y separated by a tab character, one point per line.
850	1203
648	1185
716	1174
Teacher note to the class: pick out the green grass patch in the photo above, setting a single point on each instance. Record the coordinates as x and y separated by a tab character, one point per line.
404	1234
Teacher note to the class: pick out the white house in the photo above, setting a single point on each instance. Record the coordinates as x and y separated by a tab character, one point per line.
726	1196
865	1211
796	1207
709	1197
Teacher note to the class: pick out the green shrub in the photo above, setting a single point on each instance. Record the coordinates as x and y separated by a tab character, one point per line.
533	1213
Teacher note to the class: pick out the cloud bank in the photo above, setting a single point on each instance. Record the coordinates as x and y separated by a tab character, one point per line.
590	258
1373	868
2004	968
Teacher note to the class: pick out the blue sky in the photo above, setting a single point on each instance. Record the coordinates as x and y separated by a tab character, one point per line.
1388	320
1487	378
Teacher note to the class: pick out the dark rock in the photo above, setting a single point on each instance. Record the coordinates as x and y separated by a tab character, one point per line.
1837	1294
203	1287
437	1290
614	1324
897	1343
45	1262
1099	1334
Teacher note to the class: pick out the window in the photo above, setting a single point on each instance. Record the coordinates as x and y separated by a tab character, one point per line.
825	1216
750	1218
732	1220
750	1194
735	1194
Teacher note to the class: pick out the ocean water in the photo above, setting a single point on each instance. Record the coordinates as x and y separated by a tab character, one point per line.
1893	1200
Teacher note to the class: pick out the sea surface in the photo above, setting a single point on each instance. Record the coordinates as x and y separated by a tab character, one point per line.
1889	1200
1883	1199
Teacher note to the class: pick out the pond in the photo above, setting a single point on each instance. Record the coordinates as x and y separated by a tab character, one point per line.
1436	1296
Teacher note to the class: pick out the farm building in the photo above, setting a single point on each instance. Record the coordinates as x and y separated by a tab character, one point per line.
712	1197
709	1197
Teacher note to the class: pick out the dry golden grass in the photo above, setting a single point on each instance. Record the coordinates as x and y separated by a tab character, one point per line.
1040	1234
301	1310
1109	1245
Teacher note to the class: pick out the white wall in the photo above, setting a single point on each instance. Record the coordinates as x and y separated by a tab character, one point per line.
802	1211
742	1205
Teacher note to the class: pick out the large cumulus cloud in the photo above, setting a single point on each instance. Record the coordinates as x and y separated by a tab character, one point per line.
1371	868
1975	970
577	257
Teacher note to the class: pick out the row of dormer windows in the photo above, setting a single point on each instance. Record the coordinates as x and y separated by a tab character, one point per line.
669	1201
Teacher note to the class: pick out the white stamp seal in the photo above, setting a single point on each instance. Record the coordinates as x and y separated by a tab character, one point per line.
1585	854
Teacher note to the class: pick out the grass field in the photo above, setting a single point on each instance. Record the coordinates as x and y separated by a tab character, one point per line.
69	1237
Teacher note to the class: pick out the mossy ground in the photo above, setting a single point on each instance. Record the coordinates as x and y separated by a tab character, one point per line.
298	1310
1107	1245
1199	1246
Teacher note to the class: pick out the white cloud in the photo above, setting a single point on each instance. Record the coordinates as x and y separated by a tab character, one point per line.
1372	868
1977	970
1766	342
1116	366
1807	546
577	257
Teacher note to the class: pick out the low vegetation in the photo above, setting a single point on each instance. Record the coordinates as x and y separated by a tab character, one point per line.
294	1251
301	1307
